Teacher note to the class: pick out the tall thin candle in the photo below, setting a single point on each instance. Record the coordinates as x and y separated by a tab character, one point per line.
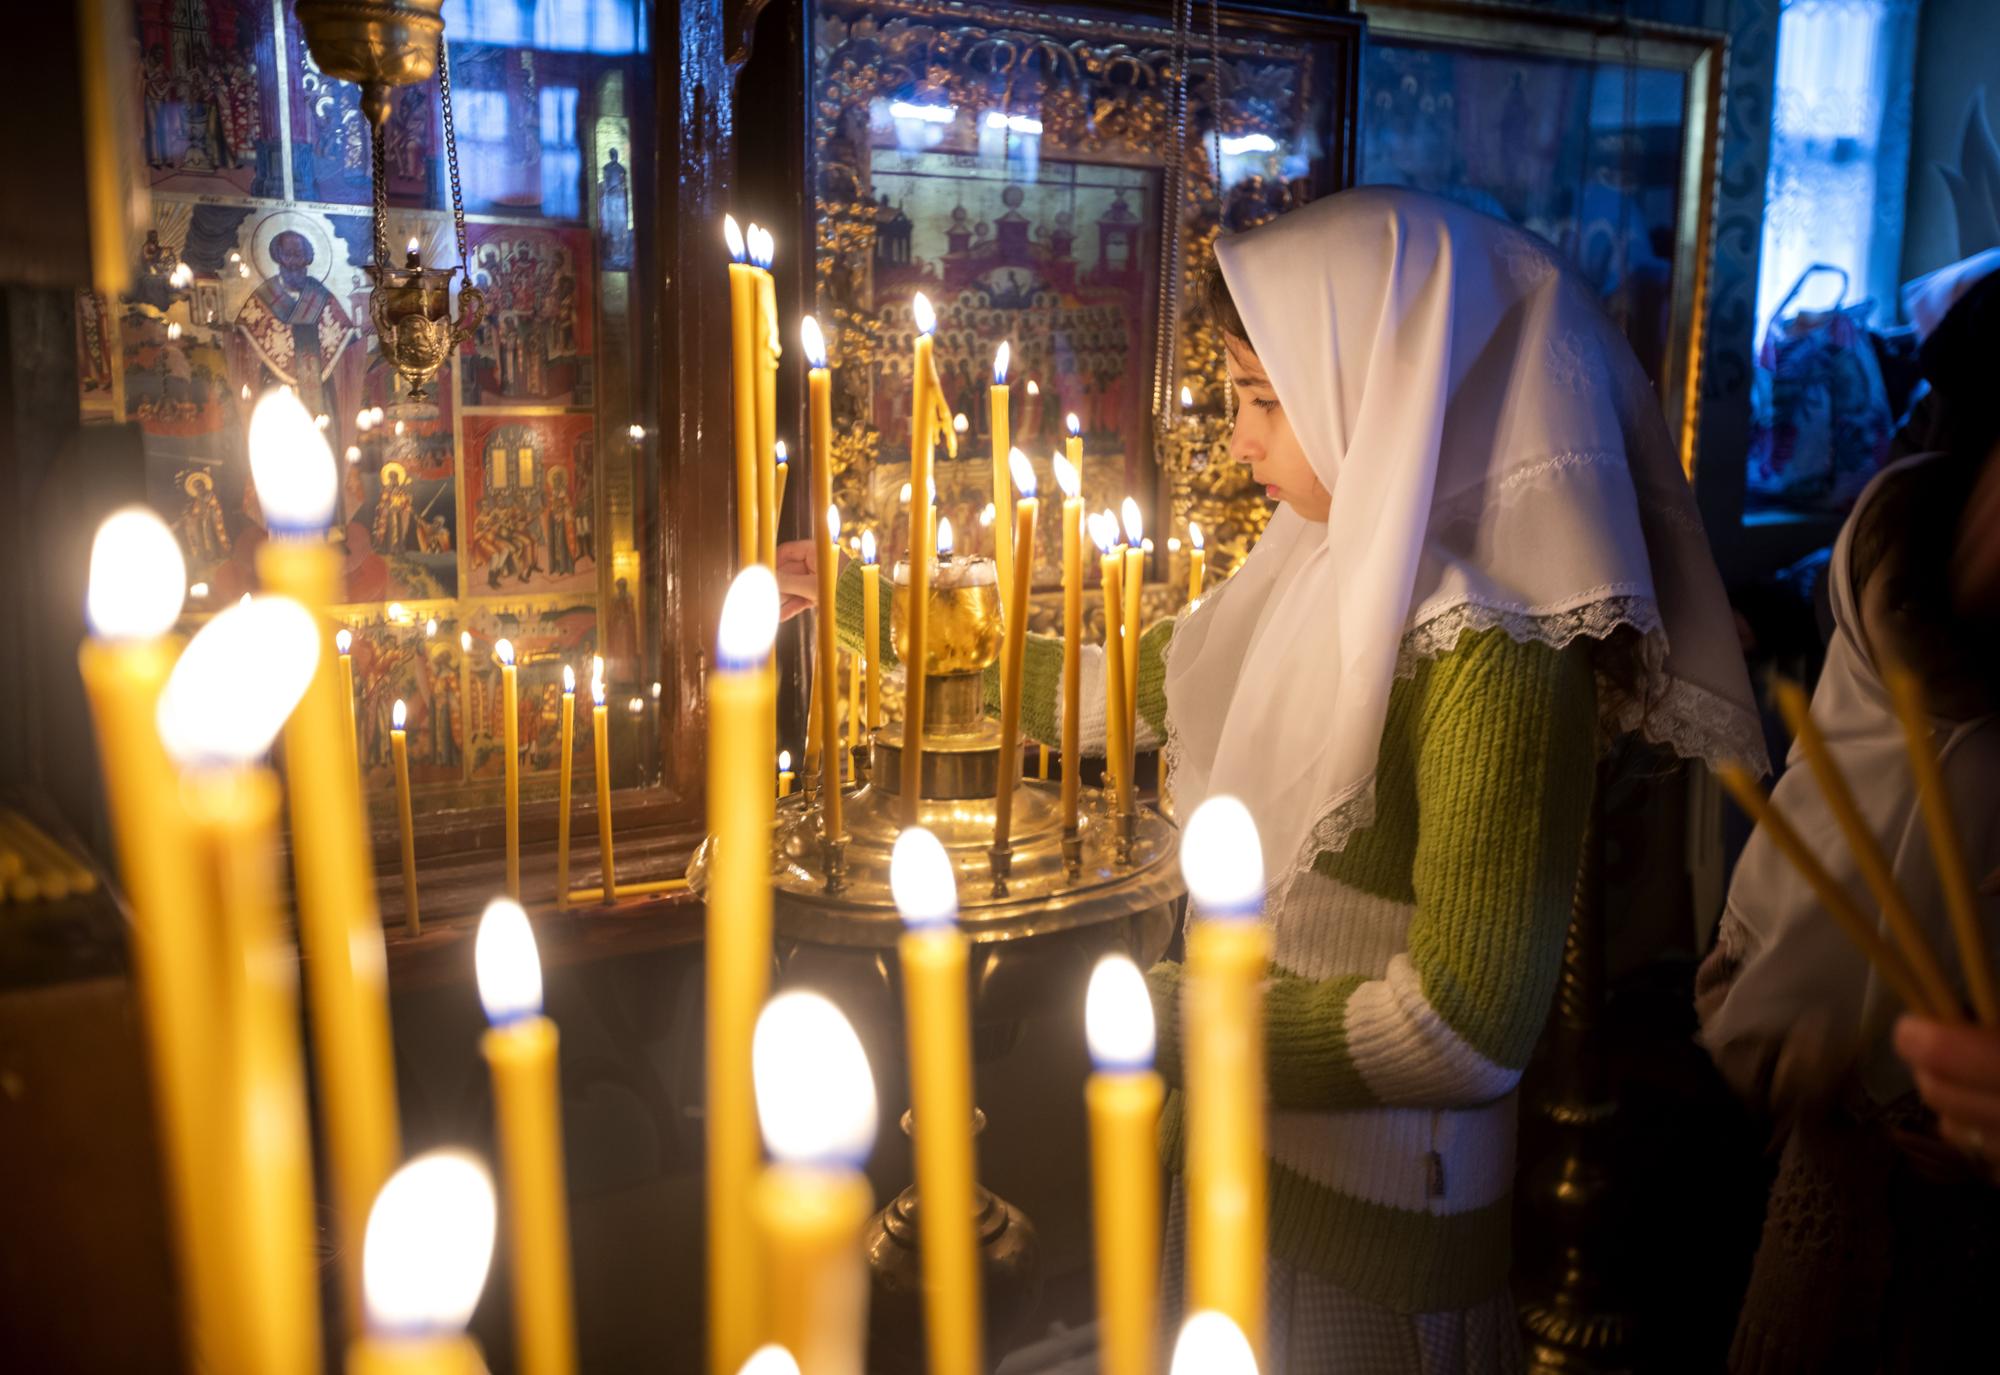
1197	562
1111	570
343	642
871	626
399	749
1071	483
1124	1097
742	689
826	553
743	384
600	731
783	475
510	758
998	398
1025	512
768	350
1135	578
565	780
916	666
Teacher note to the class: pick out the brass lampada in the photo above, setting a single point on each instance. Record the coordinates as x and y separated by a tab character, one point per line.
380	45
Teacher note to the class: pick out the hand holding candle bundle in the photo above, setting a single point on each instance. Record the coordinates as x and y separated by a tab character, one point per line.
816	1102
1228	951
1124	1097
932	954
429	1243
520	1052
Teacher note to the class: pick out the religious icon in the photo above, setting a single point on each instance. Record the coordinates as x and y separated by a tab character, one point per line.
330	137
545	638
529	502
614	215
534	343
204	534
209	116
292	330
406	659
502	157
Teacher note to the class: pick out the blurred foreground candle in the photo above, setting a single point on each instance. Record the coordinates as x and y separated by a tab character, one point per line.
1025	512
1071	483
785	775
136	580
1228	950
430	1241
230	694
816	1102
741	693
600	742
743	388
1124	1097
770	1360
343	641
998	398
1135	579
1210	1344
510	752
1197	562
399	748
916	662
566	778
1111	570
520	1051
340	926
932	954
871	625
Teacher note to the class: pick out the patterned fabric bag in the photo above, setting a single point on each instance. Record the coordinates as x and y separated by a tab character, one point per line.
1825	426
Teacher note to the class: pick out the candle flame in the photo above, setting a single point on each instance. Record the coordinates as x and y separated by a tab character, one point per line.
173	332
749	619
1118	1015
813	341
398	614
503	650
1173	544
781	453
944	537
198	590
922	314
1075	425
733	236
921	879
903	498
1022	471
508	968
297	482
1034	387
1222	859
596	667
138	577
431	628
1210	1344
1187	398
1147	545
597	692
237	682
414	245
636	705
763	248
354	453
245	393
770	1360
1094	526
465	641
569	679
987	515
343	640
636	433
832	523
784	761
1135	531
815	1094
428	1244
1194	535
960	424
656	689
1067	477
398	715
868	546
1001	356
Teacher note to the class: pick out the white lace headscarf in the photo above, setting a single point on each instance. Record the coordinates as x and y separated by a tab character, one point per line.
1495	458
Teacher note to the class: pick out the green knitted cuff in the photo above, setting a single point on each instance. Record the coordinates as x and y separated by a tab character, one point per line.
1152	699
1163	981
1306	1036
848	623
1041	679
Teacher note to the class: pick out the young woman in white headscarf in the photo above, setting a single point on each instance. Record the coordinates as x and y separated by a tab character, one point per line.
1484	560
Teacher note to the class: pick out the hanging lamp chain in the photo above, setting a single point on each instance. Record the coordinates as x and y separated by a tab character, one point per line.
381	172
1166	391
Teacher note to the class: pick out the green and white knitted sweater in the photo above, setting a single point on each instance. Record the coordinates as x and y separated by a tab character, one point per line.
1412	970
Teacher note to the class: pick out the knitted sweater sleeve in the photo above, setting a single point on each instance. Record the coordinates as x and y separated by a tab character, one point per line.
1502	741
1041	673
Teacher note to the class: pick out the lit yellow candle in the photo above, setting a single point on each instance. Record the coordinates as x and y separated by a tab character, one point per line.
343	641
430	1241
922	536
600	730
340	926
1071	483
1961	898
137	579
826	552
743	388
229	695
520	1052
565	779
785	775
768	351
1025	512
853	715
1073	444
932	954
1211	1344
510	758
1111	570
1197	562
1135	579
742	689
871	626
399	747
1228	954
998	400
1124	1097
784	473
816	1102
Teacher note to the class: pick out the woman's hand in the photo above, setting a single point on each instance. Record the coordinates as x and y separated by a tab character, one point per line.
1958	1074
798	577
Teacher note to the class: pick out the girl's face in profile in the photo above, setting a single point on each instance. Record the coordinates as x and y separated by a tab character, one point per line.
1263	438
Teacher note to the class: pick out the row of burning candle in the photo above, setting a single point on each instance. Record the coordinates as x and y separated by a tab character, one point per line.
786	1259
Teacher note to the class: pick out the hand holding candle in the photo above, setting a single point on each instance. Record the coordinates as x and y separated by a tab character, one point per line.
816	1103
399	748
1124	1097
932	954
520	1052
430	1242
